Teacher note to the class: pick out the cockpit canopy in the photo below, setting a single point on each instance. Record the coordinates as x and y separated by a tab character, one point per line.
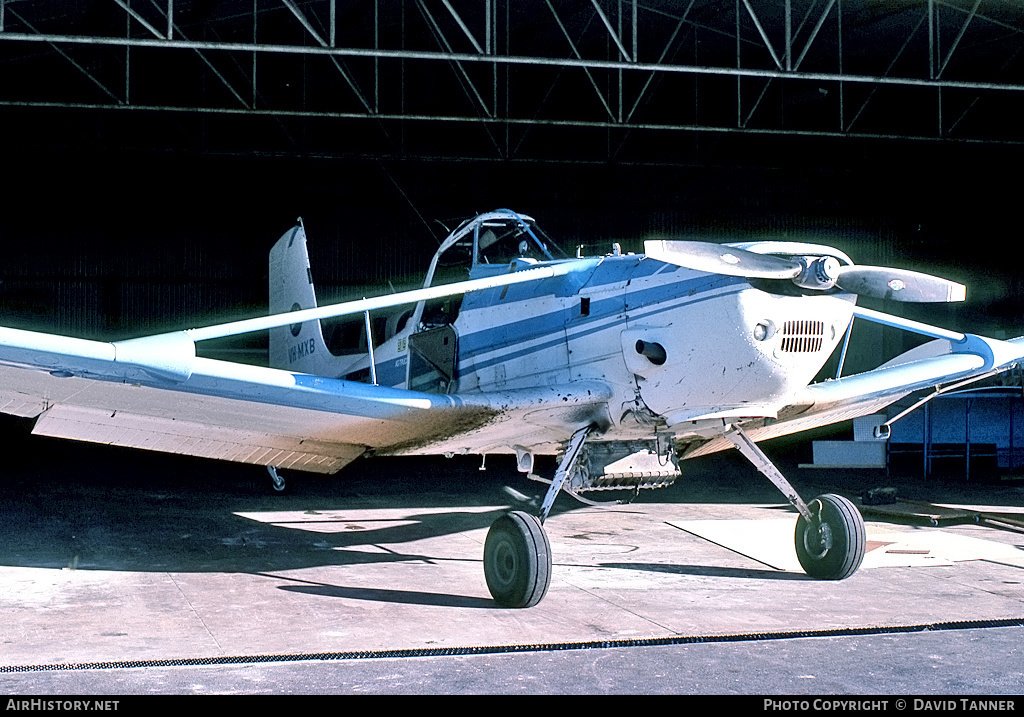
502	241
496	238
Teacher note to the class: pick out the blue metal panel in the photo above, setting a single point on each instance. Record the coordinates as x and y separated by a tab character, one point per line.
963	424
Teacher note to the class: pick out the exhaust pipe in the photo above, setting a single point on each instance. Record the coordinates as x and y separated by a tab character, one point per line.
655	353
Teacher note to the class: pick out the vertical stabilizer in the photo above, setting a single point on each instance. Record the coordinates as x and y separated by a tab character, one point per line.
299	347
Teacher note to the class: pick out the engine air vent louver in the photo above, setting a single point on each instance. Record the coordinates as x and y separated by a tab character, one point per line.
802	336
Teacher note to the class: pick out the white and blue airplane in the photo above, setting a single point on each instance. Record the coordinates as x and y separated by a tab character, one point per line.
621	366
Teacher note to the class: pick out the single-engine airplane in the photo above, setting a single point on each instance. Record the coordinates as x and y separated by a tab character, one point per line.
620	366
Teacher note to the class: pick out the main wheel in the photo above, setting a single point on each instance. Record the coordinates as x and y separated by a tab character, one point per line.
833	547
517	560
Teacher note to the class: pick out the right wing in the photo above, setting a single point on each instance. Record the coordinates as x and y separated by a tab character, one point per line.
927	367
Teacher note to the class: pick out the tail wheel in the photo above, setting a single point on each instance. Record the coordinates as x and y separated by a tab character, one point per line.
833	546
517	560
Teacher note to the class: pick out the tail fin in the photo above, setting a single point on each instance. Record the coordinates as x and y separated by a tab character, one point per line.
300	347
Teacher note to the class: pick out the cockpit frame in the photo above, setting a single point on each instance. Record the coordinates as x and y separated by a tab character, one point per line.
476	231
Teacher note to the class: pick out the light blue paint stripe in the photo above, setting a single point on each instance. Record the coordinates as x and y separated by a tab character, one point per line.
611	271
579	328
465	367
518	332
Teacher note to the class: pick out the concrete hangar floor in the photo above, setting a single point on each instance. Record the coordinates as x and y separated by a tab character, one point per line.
133	573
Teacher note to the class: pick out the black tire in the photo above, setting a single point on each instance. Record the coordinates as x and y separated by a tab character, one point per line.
517	560
284	488
836	551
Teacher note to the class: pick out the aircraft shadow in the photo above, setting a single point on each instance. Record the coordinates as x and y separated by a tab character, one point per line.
709	571
400	597
93	507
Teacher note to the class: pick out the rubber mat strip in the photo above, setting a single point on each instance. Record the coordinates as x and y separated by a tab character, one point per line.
503	649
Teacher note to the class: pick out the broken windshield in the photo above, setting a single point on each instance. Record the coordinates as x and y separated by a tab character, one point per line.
492	239
501	240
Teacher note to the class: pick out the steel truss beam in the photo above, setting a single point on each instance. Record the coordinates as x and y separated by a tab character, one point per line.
931	70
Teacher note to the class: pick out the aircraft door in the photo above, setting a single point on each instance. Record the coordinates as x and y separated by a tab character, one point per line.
432	356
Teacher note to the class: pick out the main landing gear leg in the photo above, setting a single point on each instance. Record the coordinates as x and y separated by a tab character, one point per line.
517	554
830	536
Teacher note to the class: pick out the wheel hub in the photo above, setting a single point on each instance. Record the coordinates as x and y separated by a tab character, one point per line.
818	541
505	563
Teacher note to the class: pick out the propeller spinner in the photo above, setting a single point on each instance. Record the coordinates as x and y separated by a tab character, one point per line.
821	273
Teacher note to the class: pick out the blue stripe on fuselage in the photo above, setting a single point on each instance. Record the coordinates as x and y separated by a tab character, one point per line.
568	319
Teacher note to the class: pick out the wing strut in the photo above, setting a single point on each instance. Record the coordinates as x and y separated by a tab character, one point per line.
885	430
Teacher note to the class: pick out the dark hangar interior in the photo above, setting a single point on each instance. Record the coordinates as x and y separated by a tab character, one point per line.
154	150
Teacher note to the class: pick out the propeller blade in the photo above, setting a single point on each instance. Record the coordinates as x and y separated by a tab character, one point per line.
898	285
873	281
720	259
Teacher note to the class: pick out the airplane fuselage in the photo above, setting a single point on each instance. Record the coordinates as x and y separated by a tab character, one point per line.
673	343
682	351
